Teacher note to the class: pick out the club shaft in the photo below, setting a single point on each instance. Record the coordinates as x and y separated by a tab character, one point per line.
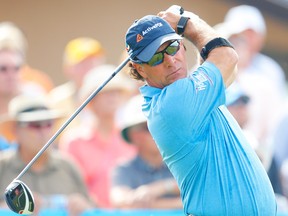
65	124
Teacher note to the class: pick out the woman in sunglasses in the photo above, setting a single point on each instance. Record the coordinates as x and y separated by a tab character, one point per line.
216	169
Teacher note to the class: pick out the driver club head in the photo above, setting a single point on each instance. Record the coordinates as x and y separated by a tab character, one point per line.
19	198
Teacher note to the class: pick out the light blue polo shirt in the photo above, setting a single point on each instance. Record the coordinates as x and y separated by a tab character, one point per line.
217	171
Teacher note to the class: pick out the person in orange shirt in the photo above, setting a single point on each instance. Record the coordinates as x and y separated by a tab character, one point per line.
32	76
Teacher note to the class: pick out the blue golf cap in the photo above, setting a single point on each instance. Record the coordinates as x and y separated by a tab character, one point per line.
146	35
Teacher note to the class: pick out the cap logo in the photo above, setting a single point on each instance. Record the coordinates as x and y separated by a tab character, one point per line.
127	47
157	25
146	35
139	38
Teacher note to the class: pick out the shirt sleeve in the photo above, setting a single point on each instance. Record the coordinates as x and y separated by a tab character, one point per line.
121	176
182	108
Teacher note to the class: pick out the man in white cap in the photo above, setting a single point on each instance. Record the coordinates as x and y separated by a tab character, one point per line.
144	181
245	27
237	102
259	76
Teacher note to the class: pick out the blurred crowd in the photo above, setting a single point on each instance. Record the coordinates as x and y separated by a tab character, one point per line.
106	158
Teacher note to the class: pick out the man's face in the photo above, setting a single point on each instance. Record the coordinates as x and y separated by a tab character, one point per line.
33	135
171	69
108	102
77	72
10	65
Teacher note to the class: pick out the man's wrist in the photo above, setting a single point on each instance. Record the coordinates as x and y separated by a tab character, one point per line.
182	25
214	43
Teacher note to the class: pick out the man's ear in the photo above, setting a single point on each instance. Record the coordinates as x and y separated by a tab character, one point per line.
140	69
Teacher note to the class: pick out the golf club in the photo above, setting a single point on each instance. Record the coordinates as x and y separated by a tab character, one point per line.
18	196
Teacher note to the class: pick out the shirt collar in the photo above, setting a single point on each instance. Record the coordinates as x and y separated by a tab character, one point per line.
149	91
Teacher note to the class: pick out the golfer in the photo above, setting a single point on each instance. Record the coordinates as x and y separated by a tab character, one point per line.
217	171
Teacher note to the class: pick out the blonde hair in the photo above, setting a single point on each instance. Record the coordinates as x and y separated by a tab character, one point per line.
12	38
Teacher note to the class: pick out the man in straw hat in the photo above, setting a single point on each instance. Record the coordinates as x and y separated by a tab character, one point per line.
32	121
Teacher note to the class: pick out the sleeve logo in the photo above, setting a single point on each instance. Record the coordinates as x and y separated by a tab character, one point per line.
199	78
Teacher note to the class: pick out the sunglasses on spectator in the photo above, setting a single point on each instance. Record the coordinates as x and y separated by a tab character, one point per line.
158	58
140	127
36	125
243	100
5	68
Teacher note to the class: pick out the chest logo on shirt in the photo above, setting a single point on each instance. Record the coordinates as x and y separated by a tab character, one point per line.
199	78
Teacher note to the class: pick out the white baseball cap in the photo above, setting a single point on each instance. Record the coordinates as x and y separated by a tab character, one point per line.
132	115
241	18
234	93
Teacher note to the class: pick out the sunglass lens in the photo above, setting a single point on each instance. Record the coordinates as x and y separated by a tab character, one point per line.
37	125
156	59
172	50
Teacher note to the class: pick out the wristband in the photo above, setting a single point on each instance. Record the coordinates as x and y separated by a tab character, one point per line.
182	24
216	42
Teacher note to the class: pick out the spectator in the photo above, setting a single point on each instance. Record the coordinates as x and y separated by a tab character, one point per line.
10	84
80	55
237	103
280	139
52	175
97	145
144	181
284	182
248	34
15	77
284	177
259	76
4	144
33	79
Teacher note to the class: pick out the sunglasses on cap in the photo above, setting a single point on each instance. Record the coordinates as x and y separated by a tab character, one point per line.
36	125
171	49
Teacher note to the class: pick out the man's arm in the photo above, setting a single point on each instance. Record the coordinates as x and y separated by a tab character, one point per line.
200	33
147	196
